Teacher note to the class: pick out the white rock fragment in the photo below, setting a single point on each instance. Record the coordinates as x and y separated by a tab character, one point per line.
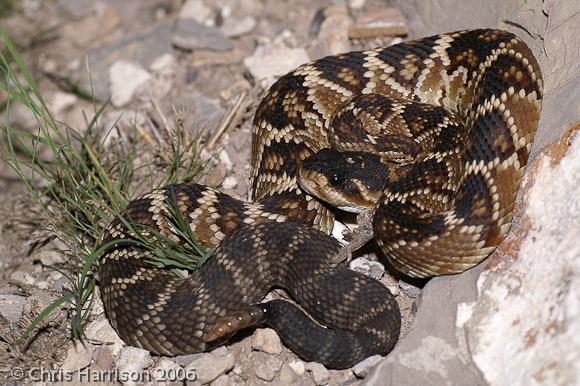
209	366
49	257
131	361
339	230
409	289
100	330
164	65
79	356
224	159
269	62
234	27
298	367
320	374
198	11
223	380
268	369
356	4
373	269
287	376
11	307
125	78
61	101
266	340
230	182
361	369
525	327
167	370
22	277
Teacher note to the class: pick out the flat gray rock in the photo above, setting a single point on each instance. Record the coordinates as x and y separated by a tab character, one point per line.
142	48
431	353
190	35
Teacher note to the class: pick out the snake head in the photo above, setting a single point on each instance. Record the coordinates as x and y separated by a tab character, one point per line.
351	181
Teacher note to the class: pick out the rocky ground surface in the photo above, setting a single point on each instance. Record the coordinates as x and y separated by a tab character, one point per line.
208	63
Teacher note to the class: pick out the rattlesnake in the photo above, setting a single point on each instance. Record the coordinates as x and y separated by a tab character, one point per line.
459	112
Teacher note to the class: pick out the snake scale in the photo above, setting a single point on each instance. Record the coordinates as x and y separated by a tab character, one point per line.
453	117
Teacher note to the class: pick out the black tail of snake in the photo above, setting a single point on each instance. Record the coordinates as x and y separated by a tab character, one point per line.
459	112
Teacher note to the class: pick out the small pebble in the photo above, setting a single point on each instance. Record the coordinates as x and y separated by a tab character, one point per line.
238	27
287	375
22	277
409	289
223	380
12	306
132	360
362	368
78	356
230	182
373	269
320	374
298	367
124	80
49	257
209	366
266	340
268	369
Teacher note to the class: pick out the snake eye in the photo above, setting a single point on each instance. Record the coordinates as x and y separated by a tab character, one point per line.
335	179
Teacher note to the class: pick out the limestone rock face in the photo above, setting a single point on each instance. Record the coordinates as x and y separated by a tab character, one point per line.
528	311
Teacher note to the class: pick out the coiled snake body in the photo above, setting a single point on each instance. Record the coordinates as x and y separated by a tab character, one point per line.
459	112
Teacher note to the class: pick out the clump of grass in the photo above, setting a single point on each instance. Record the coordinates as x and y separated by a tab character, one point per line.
81	186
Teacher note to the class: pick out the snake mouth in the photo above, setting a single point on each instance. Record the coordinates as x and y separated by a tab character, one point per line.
318	185
312	182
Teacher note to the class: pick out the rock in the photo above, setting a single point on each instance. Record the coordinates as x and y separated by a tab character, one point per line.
216	175
334	30
238	27
124	80
361	369
186	360
12	307
298	367
373	269
270	62
268	369
60	101
224	158
431	353
266	340
164	65
209	366
223	380
527	313
22	278
372	24
204	111
49	257
191	35
167	372
198	11
287	376
78	8
79	356
103	359
100	330
409	289
131	361
141	48
230	182
356	4
94	28
319	373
